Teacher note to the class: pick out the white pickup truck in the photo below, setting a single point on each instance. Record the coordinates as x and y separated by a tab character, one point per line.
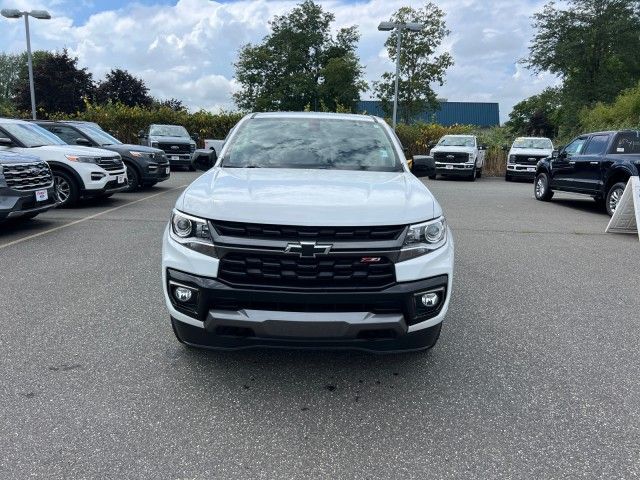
524	155
308	230
459	155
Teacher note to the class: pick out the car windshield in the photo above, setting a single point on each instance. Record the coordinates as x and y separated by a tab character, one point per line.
98	135
535	143
168	131
31	135
312	143
448	141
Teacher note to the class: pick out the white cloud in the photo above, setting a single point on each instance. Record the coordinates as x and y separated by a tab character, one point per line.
187	50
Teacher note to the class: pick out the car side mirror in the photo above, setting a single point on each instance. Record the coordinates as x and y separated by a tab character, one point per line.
204	159
483	147
195	137
424	165
555	154
6	142
505	148
141	134
83	141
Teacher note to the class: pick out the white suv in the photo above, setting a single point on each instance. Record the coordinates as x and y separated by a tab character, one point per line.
309	231
77	171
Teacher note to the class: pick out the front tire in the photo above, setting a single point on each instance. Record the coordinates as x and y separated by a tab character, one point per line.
541	188
613	197
479	175
66	189
474	174
508	178
133	178
433	177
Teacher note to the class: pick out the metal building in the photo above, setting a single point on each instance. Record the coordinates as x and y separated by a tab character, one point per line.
482	114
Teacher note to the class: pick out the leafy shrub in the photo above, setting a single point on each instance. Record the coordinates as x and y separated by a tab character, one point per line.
624	112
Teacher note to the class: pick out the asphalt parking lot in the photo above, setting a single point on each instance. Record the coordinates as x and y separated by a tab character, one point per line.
535	374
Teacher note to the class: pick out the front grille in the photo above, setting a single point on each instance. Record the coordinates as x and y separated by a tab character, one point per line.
111	164
288	232
27	176
451	157
340	272
175	148
528	159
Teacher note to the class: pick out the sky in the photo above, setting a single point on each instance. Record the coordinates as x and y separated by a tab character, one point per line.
186	48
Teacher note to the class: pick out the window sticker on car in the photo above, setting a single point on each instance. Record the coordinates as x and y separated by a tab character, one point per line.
620	150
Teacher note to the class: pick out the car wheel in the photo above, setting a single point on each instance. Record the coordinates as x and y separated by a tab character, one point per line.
613	197
66	188
133	177
433	177
541	188
474	174
479	175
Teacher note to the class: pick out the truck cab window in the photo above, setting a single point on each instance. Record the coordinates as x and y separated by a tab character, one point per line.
627	142
575	147
597	145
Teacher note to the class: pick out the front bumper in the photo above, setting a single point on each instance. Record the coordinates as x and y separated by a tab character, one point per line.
16	203
455	169
521	171
156	172
389	319
179	160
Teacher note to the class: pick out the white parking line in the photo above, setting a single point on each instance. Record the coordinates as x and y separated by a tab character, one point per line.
75	222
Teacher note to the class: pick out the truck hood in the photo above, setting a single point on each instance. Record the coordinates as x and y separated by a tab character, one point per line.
171	139
453	149
309	197
534	152
12	157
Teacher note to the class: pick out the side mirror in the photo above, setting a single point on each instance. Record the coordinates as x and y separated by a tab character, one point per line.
204	159
195	137
5	142
141	134
554	154
424	165
83	141
505	148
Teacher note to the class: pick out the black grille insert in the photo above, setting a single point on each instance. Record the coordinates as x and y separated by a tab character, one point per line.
326	272
27	176
528	159
374	306
290	232
451	157
175	148
111	164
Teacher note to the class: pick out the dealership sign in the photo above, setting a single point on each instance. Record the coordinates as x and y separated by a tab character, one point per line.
626	218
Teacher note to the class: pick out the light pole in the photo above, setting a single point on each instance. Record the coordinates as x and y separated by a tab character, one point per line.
41	15
398	27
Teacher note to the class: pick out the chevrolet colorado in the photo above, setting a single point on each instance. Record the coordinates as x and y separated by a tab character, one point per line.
307	231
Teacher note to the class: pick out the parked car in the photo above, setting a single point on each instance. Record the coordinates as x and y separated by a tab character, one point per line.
309	231
597	164
459	155
173	140
77	171
26	186
145	166
524	155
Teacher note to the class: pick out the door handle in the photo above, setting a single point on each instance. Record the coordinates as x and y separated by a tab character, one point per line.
572	163
594	163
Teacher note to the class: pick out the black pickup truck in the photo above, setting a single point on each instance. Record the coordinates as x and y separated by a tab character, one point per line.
597	164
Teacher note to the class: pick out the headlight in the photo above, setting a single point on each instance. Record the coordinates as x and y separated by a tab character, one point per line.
423	238
80	158
192	232
472	157
138	154
512	159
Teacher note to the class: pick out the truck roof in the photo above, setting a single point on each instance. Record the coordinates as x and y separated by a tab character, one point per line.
340	116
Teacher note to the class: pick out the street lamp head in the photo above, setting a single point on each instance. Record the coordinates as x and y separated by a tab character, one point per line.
386	26
11	13
40	14
414	27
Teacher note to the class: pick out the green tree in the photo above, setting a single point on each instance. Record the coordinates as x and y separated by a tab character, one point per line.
60	86
10	64
419	65
300	63
172	103
119	86
592	45
537	115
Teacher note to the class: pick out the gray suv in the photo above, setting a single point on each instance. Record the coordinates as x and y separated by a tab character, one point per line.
174	140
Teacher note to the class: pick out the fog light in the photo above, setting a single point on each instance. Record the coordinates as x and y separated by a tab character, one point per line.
182	294
430	299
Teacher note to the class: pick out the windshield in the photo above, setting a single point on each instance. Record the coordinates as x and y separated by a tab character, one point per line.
535	143
448	141
315	143
31	135
168	131
98	135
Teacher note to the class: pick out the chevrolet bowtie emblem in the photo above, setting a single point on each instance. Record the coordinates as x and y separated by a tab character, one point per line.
308	249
